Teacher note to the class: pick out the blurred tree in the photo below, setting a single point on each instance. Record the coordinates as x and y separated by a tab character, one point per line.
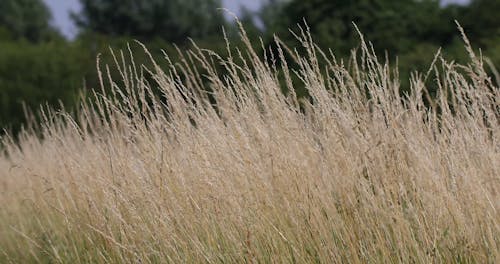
389	25
5	34
34	74
171	20
269	13
26	19
481	21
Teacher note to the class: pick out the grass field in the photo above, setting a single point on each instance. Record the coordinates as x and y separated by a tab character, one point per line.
246	173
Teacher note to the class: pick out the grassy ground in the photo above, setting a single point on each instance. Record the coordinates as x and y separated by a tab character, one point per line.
357	174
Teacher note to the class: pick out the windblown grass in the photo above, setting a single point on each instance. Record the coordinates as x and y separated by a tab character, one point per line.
358	173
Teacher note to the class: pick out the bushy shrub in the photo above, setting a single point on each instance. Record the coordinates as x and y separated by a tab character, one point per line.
37	74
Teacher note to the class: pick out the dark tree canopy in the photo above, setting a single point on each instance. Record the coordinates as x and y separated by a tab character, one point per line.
481	19
26	19
171	20
35	69
390	25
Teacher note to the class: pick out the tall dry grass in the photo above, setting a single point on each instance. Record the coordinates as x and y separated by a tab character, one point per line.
246	173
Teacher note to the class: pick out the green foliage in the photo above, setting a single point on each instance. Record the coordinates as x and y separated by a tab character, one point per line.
26	19
480	20
171	20
389	25
37	74
37	66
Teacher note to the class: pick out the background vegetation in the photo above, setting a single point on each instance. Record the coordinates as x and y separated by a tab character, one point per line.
234	154
226	168
39	66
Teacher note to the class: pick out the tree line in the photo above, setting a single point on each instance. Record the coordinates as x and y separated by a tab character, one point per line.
39	66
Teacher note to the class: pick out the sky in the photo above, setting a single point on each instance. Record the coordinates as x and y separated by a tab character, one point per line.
61	8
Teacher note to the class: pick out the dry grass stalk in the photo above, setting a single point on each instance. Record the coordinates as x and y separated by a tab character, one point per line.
357	174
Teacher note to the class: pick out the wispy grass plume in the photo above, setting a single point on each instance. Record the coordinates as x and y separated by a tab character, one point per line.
209	161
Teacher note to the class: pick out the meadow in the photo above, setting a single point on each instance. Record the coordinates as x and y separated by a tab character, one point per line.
191	164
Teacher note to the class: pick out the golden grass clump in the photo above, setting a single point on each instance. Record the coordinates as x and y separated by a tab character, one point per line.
225	165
